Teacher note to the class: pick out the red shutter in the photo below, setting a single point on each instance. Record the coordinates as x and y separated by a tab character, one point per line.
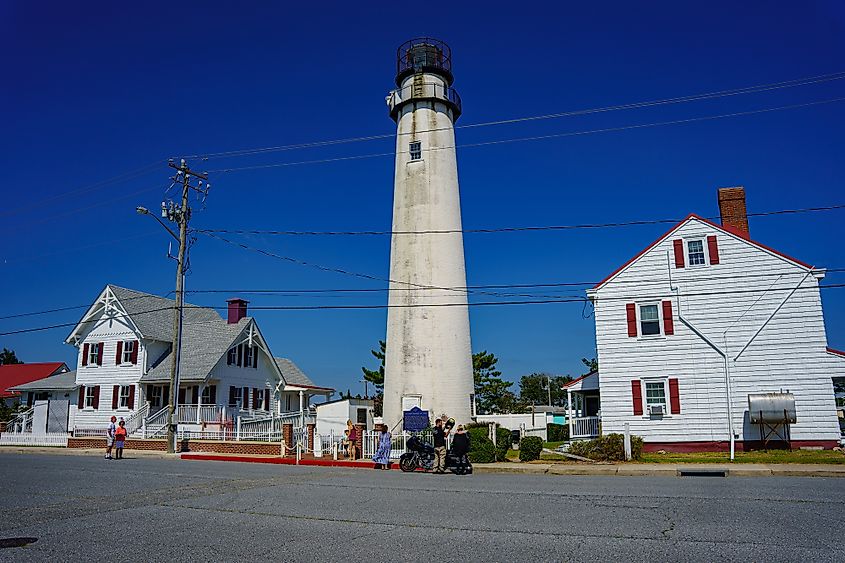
245	398
679	253
181	400
266	400
255	356
96	397
196	395
231	395
240	355
85	355
631	312
100	354
114	396
637	392
165	395
668	321
135	351
80	404
118	359
674	397
256	402
212	394
131	402
713	248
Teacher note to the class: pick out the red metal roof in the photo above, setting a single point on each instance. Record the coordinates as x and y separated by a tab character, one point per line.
835	352
724	229
12	375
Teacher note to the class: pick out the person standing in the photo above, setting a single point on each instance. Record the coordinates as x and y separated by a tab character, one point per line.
119	439
440	446
353	440
460	448
110	437
382	455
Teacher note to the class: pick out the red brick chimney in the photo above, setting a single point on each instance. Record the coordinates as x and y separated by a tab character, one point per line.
237	309
732	209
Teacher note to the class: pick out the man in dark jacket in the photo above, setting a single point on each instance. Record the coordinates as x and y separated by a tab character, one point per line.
460	445
440	446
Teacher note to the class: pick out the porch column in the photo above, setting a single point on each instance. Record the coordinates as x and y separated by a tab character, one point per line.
201	388
287	435
301	409
569	413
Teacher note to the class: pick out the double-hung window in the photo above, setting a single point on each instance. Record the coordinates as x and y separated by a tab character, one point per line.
649	320
156	396
93	354
655	395
249	352
232	357
123	398
415	150
90	396
128	349
695	252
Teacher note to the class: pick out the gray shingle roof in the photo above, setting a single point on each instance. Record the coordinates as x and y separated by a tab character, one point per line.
153	315
292	374
66	380
204	343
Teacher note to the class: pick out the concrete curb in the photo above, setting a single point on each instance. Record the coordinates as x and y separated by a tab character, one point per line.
89	452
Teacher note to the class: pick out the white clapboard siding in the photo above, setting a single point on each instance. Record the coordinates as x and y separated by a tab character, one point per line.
789	354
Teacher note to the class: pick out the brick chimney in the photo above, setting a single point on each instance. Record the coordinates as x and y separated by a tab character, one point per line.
732	209
237	309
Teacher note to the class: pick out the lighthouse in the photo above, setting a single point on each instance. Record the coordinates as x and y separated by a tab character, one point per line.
428	360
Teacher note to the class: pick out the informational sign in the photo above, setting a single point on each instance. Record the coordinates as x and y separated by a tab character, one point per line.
415	420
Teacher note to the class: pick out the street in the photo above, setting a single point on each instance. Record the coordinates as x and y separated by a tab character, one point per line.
150	509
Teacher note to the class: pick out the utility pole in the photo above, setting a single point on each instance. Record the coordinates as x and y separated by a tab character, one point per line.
549	386
179	214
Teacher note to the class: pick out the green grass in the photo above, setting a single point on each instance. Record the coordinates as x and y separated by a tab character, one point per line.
773	456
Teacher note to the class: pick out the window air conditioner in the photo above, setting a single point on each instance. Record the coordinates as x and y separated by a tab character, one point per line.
655	410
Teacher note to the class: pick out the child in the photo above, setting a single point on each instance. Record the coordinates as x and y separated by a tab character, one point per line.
119	439
344	444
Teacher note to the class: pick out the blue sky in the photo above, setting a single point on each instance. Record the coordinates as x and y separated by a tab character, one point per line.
92	91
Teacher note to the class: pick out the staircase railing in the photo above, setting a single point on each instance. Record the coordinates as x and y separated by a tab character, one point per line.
136	420
156	424
21	422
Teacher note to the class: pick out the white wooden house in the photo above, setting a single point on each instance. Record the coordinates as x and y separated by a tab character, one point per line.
226	368
701	318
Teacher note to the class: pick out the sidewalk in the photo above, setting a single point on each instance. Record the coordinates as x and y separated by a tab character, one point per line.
667	469
101	452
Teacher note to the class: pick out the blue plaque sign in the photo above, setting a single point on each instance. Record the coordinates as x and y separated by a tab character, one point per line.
415	420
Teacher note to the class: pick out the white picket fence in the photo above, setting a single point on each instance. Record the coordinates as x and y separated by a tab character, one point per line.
27	439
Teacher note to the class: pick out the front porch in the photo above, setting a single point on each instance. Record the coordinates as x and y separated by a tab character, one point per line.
584	407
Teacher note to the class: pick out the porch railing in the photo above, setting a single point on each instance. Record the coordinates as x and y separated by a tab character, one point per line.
585	427
21	422
136	419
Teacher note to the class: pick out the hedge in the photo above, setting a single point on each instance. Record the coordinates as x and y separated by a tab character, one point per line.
530	448
481	449
609	447
557	432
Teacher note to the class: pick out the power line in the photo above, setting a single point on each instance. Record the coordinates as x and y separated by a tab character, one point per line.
125	177
506	229
535	137
461	304
634	105
323	292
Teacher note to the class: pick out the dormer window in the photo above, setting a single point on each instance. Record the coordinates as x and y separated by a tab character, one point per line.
415	150
249	355
232	357
695	252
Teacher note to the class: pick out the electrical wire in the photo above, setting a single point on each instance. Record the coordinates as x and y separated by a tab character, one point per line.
430	305
534	137
634	105
506	229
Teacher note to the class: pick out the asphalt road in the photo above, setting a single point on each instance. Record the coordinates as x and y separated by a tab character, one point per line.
86	508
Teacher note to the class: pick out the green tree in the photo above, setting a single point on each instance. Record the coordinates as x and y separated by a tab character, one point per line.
492	393
376	377
8	357
534	389
592	365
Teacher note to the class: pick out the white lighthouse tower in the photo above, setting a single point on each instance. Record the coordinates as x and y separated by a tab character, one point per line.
428	359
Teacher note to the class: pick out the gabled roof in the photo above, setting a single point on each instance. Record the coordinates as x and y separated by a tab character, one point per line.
152	315
204	343
739	235
294	376
12	375
61	381
839	353
587	382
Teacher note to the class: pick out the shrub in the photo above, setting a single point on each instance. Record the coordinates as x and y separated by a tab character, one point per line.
557	432
530	448
481	449
503	443
610	447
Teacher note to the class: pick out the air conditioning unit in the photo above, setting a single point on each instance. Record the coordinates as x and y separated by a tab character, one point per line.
656	410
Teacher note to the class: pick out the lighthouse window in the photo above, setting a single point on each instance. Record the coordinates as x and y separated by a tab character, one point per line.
415	149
